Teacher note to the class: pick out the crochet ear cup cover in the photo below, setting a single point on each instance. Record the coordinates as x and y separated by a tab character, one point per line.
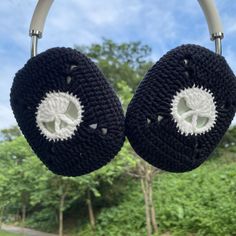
68	112
182	108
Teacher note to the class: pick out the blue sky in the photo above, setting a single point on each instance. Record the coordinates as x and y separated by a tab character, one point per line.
162	25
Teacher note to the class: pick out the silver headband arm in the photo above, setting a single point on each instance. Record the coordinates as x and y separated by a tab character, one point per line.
37	23
214	23
208	7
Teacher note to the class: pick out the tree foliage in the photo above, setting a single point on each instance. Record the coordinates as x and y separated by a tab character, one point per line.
201	202
10	133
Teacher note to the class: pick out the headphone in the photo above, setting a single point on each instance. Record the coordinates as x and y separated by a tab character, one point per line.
74	122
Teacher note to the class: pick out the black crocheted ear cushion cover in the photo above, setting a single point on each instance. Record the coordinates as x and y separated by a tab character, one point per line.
182	108
68	112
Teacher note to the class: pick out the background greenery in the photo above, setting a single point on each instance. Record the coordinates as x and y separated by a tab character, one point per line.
4	233
128	196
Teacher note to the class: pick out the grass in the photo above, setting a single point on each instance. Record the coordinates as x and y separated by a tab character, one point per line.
4	233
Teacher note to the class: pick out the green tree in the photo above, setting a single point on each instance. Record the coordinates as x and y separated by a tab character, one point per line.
16	165
10	133
90	185
56	193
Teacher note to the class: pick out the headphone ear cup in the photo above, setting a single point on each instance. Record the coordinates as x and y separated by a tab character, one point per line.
68	112
182	108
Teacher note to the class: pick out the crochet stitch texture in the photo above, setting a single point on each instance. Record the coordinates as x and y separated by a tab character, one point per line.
155	133
99	134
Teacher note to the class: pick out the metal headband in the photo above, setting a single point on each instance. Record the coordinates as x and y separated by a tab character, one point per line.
208	7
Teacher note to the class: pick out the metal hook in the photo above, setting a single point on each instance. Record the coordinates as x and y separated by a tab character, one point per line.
35	35
217	37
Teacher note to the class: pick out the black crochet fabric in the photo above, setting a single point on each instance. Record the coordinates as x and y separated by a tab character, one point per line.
159	142
89	148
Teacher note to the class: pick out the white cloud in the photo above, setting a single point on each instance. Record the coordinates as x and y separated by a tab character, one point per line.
6	116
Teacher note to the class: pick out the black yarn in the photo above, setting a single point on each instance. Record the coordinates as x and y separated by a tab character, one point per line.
160	143
88	149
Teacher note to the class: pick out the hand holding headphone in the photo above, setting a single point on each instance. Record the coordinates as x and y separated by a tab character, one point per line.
74	121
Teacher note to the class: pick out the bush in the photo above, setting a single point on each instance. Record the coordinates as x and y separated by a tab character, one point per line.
201	202
44	220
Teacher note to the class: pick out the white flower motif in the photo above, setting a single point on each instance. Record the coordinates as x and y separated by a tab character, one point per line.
58	115
194	110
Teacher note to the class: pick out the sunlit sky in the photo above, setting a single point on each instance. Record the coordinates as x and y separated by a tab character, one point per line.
162	25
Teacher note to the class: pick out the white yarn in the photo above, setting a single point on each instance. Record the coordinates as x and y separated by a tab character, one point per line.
58	115
194	110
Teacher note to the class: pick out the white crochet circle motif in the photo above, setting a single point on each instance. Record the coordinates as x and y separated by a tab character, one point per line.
58	115
194	110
